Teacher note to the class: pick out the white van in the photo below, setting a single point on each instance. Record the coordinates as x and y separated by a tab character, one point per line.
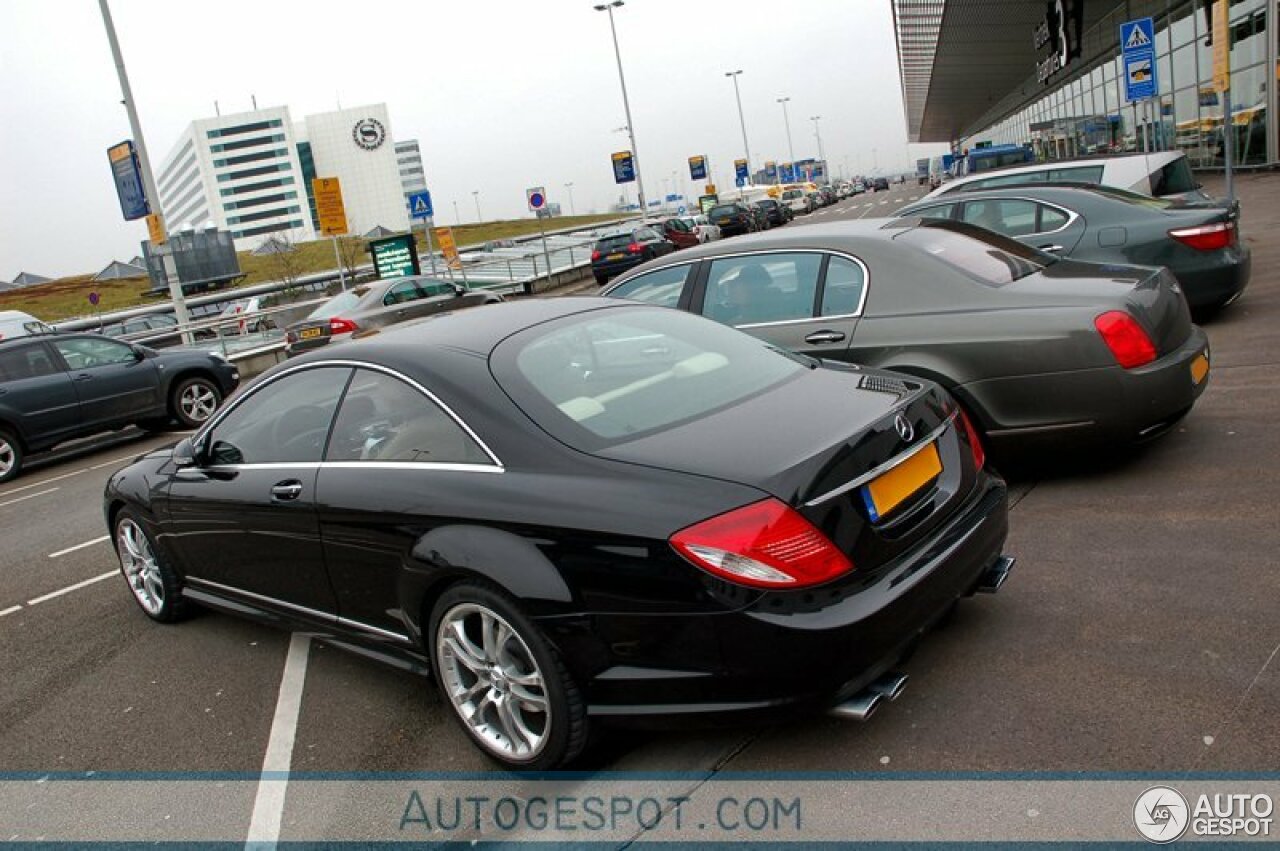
1164	174
15	323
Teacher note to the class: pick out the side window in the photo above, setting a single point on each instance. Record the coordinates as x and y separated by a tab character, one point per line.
25	362
662	287
284	422
1078	174
432	287
645	235
942	211
1006	180
85	353
762	288
1011	217
1051	218
402	292
384	419
842	289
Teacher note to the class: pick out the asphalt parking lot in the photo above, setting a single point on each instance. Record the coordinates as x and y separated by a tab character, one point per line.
1140	630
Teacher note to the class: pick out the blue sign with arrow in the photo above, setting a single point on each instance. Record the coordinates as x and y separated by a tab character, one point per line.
420	205
1138	58
128	179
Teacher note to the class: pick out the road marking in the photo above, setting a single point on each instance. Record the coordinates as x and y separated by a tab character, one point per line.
268	805
10	610
882	203
61	553
71	588
28	496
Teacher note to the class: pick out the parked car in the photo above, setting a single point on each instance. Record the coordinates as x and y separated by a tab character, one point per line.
1164	174
378	305
828	193
157	330
60	387
733	218
798	200
816	200
676	231
733	528
240	319
702	226
619	250
1200	244
15	323
880	184
859	187
1041	350
775	212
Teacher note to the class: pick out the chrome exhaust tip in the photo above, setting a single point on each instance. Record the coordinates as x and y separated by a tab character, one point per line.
996	575
860	707
889	686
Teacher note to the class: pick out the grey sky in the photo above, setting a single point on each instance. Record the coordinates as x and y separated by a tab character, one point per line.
503	95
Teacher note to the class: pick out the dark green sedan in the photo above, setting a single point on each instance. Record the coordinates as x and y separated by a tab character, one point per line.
1199	243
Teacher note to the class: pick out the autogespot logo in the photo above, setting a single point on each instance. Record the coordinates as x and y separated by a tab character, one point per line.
1161	814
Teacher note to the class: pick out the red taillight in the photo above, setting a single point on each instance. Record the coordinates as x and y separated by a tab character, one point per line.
975	443
342	326
634	248
1125	338
291	336
595	255
765	545
1207	237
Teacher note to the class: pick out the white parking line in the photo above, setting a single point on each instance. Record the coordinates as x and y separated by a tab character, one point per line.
61	553
10	610
71	588
28	496
268	804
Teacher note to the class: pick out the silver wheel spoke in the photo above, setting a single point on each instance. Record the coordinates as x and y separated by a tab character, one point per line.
511	728
465	651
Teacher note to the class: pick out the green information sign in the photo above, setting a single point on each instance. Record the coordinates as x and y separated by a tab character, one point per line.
706	202
395	256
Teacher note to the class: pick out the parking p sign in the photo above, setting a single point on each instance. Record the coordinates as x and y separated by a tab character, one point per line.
537	197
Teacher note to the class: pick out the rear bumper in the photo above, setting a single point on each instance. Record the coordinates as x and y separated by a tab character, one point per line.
611	268
1217	278
794	649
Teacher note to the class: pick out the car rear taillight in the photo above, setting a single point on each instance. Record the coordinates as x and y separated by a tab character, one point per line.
1207	237
1125	338
595	255
342	326
975	443
634	248
291	336
766	544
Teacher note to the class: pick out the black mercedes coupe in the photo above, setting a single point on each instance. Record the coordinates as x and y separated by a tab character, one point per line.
577	510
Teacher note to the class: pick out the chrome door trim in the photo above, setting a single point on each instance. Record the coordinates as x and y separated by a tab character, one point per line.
385	633
901	458
262	598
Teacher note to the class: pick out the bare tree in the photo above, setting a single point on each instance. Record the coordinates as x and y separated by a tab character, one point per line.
283	251
353	252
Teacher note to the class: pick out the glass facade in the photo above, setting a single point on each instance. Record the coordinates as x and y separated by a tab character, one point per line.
1086	113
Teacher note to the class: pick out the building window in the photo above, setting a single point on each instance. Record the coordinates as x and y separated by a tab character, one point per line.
244	128
255	187
275	228
246	143
254	172
250	158
265	214
258	202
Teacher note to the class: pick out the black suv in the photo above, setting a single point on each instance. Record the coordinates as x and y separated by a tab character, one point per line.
733	218
775	212
618	251
60	387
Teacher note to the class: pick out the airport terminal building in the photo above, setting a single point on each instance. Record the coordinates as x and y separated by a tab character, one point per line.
250	173
981	71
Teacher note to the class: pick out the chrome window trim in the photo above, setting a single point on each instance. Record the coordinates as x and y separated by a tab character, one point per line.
386	633
887	465
353	364
624	279
358	465
1072	215
196	580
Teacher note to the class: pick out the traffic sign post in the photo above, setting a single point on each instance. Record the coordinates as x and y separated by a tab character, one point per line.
1222	82
698	168
537	198
420	208
624	167
128	179
332	214
1138	61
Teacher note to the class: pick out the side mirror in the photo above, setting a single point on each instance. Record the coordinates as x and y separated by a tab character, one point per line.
139	355
184	454
459	289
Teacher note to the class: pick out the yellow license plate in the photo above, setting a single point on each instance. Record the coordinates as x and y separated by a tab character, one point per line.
1199	368
617	256
886	492
309	333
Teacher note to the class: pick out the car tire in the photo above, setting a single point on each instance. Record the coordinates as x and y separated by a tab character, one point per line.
476	683
601	280
194	400
154	585
11	456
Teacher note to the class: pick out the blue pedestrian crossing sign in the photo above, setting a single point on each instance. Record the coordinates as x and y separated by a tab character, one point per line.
1138	59
420	205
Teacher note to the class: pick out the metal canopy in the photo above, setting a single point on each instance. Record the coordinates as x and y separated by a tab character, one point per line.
959	58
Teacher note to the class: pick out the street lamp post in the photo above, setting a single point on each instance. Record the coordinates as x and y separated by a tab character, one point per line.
791	151
457	218
569	187
741	120
626	103
475	193
815	119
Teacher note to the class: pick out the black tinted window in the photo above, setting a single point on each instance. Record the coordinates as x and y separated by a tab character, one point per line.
286	421
980	254
87	353
662	287
25	362
762	288
614	243
1174	178
842	290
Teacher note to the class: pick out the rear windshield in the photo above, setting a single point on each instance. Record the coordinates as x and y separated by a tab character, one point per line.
1135	198
793	193
981	254
618	240
338	304
608	376
1174	179
723	210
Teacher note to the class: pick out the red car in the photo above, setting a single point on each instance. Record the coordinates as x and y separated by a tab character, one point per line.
678	231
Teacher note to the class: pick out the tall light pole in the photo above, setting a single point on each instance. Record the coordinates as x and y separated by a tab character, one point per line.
475	193
148	179
569	186
791	151
815	119
626	103
457	218
741	120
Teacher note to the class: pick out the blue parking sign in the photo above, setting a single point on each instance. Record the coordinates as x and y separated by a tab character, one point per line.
420	205
1138	60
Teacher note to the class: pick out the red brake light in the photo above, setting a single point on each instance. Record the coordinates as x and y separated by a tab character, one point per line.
342	326
766	544
975	443
1125	338
595	255
634	248
1207	237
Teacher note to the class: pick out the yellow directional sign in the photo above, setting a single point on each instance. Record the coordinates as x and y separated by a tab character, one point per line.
155	229
329	207
1221	47
448	247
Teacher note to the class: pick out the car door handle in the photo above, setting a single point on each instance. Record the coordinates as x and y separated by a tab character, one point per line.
84	376
817	338
1052	249
286	491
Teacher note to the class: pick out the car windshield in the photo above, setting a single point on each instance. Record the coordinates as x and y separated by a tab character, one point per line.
338	304
792	193
609	376
987	256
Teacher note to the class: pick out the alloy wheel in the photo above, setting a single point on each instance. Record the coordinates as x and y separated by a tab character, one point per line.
493	681
140	566
198	402
7	457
